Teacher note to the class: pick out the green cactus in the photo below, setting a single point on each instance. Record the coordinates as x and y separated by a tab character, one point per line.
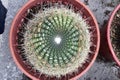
57	41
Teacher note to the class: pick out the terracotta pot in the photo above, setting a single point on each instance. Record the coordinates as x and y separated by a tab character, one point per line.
106	48
26	68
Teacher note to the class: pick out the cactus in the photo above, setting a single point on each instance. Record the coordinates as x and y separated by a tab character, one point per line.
56	41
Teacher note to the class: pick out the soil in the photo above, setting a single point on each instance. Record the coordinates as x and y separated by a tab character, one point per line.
115	33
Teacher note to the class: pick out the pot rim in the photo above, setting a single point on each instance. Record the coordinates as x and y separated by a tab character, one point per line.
25	71
108	34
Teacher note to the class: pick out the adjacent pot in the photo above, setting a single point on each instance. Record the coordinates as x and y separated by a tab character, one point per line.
106	48
26	68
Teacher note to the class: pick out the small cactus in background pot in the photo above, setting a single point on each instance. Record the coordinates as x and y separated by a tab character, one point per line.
114	34
54	39
110	34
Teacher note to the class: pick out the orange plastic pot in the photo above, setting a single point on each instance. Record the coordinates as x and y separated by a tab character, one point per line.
106	48
25	68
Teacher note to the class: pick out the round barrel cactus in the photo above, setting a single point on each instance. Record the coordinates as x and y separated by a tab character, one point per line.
56	41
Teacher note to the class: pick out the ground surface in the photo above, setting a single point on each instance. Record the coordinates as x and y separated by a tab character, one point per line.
101	70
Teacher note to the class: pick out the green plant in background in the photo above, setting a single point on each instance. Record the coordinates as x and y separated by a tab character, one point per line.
57	41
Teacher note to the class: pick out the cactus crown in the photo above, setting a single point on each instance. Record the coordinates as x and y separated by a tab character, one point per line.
56	41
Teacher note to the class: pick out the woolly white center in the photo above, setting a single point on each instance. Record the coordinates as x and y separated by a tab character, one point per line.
57	39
